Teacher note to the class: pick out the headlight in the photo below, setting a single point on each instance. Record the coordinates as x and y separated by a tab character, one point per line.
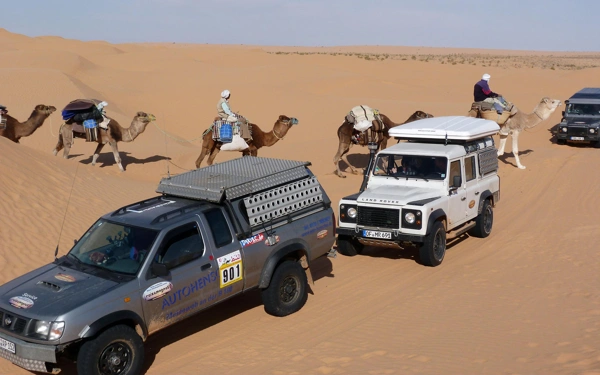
592	131
352	212
42	328
56	330
410	218
564	130
49	330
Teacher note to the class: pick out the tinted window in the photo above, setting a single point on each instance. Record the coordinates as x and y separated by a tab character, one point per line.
470	172
429	167
218	227
181	245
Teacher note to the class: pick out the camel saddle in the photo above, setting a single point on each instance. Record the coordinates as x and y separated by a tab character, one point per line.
487	111
240	128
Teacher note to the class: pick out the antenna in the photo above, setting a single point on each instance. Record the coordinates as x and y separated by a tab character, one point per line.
66	210
166	151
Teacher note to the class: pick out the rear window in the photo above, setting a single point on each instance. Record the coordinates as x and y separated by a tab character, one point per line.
218	227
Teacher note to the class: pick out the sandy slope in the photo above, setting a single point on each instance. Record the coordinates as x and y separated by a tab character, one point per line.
522	301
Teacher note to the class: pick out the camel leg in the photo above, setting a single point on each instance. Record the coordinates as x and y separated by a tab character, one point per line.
213	155
115	151
515	149
203	154
343	148
503	138
67	142
345	159
97	153
59	145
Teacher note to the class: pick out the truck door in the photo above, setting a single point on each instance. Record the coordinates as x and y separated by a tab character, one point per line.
457	201
188	272
473	187
228	254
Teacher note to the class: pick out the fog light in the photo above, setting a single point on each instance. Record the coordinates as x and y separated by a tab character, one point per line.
352	213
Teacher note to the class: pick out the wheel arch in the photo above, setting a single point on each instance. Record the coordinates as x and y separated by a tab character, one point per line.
125	317
295	251
437	215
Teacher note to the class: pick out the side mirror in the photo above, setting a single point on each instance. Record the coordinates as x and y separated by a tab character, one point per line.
159	269
456	182
75	242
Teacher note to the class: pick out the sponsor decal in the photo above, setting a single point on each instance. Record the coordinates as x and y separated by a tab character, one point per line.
157	290
64	277
252	240
21	302
317	226
272	240
322	234
471	204
183	293
230	268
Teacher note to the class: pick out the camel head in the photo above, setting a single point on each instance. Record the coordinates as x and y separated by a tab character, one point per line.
45	110
141	119
549	105
418	115
283	124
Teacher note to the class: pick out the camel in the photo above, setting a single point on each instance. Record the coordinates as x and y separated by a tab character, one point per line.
346	130
115	133
519	121
15	130
259	139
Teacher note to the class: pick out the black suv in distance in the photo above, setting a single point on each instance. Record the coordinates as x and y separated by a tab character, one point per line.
581	118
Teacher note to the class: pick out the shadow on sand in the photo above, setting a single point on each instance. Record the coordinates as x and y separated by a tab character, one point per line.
107	159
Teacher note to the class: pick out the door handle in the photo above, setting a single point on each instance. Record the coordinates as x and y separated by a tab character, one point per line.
477	193
205	266
463	198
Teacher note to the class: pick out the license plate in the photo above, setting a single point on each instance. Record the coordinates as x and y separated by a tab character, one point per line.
375	234
577	138
7	345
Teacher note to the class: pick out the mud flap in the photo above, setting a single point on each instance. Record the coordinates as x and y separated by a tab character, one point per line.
304	264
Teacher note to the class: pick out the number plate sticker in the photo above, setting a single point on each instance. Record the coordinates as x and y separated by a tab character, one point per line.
375	234
7	345
230	268
577	138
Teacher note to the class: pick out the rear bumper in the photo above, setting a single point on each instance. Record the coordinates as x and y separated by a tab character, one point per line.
399	237
29	356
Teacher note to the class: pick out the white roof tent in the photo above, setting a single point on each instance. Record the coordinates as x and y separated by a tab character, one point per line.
446	128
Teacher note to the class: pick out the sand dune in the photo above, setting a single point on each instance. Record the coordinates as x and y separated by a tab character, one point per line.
522	301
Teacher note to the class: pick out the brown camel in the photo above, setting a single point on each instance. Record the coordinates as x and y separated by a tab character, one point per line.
115	133
259	139
520	121
346	131
15	130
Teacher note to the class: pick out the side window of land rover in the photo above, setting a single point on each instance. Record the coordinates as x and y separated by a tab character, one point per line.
470	172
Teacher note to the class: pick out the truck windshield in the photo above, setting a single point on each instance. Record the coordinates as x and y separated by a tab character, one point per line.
583	109
410	166
114	247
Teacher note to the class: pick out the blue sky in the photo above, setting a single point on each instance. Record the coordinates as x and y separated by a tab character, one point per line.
548	25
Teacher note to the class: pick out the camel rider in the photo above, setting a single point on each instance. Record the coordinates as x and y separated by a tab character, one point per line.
482	93
226	114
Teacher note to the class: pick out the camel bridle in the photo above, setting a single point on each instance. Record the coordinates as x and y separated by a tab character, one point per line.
289	122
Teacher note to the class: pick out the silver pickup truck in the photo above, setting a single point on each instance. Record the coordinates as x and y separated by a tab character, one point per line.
213	233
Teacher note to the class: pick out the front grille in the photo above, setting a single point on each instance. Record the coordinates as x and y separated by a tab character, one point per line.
577	131
13	323
379	217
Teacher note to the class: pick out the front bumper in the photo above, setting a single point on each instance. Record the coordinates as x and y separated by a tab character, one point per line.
29	356
396	237
578	134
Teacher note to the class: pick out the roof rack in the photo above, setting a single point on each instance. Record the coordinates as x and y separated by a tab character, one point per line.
234	178
138	206
446	128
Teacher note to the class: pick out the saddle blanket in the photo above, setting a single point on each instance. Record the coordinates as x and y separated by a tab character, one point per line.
236	129
362	116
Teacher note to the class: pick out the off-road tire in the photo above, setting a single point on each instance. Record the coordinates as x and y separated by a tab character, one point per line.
118	350
561	141
595	144
484	221
288	290
433	249
349	246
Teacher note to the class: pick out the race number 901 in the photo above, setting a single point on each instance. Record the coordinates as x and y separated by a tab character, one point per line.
230	273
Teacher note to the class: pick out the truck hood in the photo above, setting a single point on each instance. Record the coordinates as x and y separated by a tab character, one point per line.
398	195
584	121
53	292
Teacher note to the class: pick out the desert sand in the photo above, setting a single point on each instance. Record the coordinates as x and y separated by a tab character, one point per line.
522	301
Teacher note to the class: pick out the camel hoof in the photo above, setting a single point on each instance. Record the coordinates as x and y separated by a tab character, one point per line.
521	166
500	153
55	152
340	175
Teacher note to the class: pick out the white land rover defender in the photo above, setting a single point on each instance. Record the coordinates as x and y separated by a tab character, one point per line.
439	182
